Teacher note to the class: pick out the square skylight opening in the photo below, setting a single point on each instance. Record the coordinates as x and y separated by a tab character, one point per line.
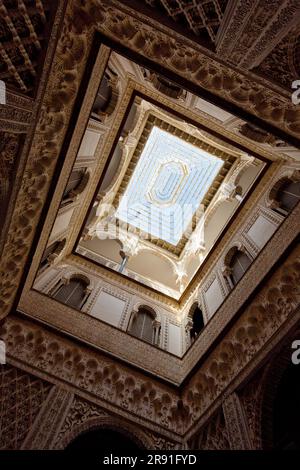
168	185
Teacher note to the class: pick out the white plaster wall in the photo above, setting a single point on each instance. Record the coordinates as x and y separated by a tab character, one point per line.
89	143
61	223
174	339
213	297
261	231
108	308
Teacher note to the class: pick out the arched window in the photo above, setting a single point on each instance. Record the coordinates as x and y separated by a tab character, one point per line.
73	293
107	96
76	184
142	325
51	252
197	321
286	195
238	265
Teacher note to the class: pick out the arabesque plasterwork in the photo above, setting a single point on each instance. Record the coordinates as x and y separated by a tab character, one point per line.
172	52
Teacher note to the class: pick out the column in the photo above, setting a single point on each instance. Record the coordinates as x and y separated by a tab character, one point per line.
132	317
48	422
156	328
227	274
188	328
236	423
88	292
123	264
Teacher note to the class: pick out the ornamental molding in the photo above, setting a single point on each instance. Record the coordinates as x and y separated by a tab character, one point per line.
169	50
92	331
254	335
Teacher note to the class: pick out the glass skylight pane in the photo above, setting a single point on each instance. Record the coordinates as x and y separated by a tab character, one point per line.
167	186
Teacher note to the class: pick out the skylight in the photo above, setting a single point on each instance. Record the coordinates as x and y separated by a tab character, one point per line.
168	184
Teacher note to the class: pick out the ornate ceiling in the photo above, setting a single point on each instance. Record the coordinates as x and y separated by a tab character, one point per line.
25	27
249	93
262	36
243	93
203	18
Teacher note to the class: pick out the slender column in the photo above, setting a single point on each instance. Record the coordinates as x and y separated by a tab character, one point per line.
123	264
236	423
48	422
227	274
132	316
188	328
156	327
86	296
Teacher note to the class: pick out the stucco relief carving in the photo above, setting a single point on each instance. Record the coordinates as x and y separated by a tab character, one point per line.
236	423
84	416
48	422
173	52
21	396
16	115
132	392
251	398
92	372
253	28
213	435
191	64
277	300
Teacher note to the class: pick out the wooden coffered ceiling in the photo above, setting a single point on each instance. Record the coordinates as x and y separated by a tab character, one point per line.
25	27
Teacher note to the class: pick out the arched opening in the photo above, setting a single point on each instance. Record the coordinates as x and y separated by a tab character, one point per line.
107	96
50	253
197	321
286	411
105	439
75	185
237	263
141	325
240	262
73	293
285	195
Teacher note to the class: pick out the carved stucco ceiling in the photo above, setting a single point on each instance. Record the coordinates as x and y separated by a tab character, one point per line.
283	62
25	27
200	17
